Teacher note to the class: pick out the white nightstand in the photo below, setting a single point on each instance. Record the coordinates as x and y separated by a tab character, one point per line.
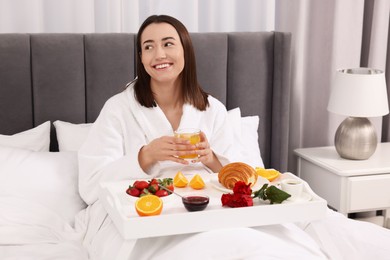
348	185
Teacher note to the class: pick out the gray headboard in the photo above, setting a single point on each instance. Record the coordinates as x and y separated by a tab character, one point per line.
70	76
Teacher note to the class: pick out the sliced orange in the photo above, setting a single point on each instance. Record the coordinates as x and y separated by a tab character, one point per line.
197	182
149	205
180	180
269	174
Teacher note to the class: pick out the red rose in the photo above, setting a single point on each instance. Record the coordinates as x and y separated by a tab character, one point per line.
226	198
241	196
236	200
241	188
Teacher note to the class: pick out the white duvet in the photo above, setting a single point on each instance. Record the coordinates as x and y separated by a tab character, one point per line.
32	231
344	238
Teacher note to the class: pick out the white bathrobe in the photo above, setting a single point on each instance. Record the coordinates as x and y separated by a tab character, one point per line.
124	126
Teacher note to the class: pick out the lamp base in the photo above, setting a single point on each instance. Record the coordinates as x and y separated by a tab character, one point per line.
356	138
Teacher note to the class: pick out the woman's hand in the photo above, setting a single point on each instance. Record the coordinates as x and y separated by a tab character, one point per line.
165	148
169	148
206	155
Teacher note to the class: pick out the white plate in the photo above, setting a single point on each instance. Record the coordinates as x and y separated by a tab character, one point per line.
303	198
216	184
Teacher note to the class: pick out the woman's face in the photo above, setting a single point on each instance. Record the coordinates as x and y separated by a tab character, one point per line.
162	52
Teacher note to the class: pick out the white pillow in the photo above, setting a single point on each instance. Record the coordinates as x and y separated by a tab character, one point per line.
250	149
234	120
246	136
70	136
35	139
47	178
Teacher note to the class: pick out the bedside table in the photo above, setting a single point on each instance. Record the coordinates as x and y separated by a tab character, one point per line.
349	186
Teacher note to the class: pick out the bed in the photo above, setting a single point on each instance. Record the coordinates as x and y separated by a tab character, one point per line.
52	87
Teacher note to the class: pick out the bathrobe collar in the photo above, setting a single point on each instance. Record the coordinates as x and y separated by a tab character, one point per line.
153	120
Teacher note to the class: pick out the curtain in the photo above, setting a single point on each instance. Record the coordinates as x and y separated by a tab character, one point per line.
87	16
327	35
330	35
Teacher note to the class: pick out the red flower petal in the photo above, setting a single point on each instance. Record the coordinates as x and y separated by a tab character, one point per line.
242	188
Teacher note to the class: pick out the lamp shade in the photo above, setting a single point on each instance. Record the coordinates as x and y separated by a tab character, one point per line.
359	92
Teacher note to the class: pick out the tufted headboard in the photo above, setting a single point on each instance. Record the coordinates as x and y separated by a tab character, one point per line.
68	77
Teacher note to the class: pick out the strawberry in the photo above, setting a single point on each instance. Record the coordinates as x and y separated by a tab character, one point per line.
161	193
170	187
141	185
167	183
153	188
153	181
132	191
145	192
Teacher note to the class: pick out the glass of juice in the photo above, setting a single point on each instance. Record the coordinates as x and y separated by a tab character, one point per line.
191	134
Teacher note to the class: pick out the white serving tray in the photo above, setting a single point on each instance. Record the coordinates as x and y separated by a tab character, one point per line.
175	219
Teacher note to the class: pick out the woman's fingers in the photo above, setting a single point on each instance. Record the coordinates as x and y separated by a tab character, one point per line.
203	149
175	149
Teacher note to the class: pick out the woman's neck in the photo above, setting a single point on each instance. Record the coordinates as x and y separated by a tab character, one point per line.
169	99
167	95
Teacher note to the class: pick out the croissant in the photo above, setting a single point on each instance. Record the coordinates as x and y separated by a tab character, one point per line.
237	171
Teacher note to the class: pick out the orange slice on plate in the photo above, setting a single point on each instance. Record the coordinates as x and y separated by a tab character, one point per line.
149	205
180	180
269	174
197	182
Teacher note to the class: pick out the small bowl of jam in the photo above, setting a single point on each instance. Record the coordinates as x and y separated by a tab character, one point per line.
195	202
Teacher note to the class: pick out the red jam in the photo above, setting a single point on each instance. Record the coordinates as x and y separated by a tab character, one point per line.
195	202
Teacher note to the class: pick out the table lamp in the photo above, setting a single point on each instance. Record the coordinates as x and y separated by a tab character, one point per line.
358	93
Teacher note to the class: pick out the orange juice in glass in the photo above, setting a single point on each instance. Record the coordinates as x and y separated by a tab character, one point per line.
191	134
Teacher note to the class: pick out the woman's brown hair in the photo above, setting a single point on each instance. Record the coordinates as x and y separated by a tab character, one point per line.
191	90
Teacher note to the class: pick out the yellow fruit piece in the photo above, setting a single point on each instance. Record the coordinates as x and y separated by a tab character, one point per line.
180	180
194	139
269	174
197	182
149	205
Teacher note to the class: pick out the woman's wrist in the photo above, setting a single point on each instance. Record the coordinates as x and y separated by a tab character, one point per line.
145	161
214	164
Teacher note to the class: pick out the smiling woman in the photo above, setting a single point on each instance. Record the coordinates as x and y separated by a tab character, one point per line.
167	80
133	137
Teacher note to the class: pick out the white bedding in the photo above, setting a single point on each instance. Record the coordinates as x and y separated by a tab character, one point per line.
335	237
36	226
343	238
32	231
39	200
